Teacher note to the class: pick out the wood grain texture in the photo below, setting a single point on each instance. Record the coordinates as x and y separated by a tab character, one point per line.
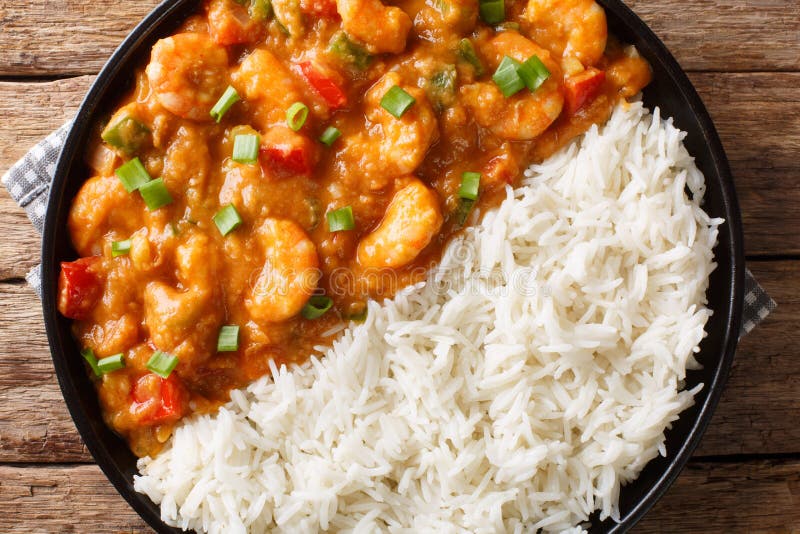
763	494
68	37
759	496
64	37
721	35
63	499
35	425
751	419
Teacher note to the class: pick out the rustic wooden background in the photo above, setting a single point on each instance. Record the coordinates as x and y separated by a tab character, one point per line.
744	58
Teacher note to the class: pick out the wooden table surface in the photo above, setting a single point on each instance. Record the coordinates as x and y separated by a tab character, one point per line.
744	58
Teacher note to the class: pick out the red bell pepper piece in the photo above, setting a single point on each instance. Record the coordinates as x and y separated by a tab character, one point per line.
80	286
323	81
286	153
159	400
583	88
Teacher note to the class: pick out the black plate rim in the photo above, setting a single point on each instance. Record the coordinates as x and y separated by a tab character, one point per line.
166	10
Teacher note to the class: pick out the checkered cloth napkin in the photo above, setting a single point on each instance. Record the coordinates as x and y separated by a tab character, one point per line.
28	182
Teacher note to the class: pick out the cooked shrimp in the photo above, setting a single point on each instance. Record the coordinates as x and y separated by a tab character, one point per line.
101	204
574	29
264	79
182	319
383	29
526	114
187	163
391	147
188	72
456	16
411	220
290	273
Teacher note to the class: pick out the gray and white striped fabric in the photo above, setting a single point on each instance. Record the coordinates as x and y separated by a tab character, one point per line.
28	183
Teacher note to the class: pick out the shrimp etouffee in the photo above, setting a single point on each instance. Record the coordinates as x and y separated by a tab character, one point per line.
277	164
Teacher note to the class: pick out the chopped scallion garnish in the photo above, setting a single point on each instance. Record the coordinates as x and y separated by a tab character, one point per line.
155	194
341	219
470	182
133	175
533	72
396	101
162	363
120	248
228	98
245	148
228	340
507	77
227	219
349	51
467	51
330	135
492	11
296	115
316	307
111	363
464	207
88	355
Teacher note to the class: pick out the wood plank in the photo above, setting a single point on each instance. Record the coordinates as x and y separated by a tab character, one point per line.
751	419
761	496
758	119
752	496
35	425
720	35
31	110
757	115
64	37
63	499
49	37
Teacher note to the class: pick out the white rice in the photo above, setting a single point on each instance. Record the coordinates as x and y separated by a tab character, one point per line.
532	376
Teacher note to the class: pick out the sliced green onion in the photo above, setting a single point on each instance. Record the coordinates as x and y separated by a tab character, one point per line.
162	363
533	72
228	98
88	355
227	219
396	101
349	51
464	207
296	115
228	340
330	135
467	53
359	317
316	307
245	148
120	248
507	77
260	10
111	363
442	87
341	219
492	11
470	182
126	134
507	26
133	175
155	194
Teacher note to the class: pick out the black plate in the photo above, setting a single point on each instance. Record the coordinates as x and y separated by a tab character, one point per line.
670	89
